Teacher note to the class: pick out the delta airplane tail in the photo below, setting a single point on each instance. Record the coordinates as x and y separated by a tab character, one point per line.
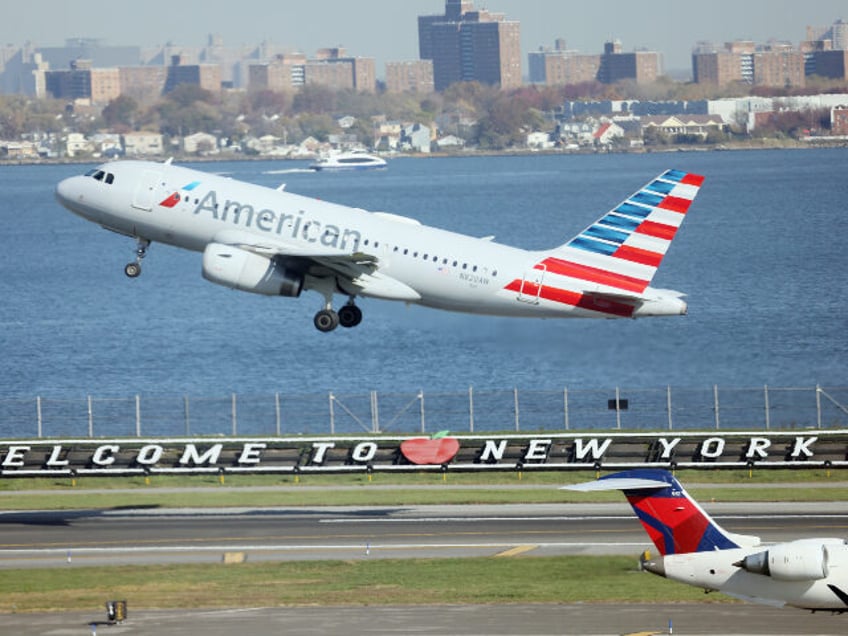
613	261
673	520
809	573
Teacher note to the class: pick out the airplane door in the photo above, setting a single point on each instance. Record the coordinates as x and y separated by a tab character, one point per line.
144	191
531	286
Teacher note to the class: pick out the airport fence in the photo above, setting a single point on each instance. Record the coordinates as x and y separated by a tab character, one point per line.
673	409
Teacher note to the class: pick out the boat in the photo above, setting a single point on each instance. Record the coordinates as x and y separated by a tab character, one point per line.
349	161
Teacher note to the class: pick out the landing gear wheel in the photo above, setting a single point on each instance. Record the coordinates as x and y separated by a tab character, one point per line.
326	320
350	316
132	270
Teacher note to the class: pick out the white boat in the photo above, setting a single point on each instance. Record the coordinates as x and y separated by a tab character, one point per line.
349	161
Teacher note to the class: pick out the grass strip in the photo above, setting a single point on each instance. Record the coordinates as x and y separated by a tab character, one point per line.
401	497
410	489
565	579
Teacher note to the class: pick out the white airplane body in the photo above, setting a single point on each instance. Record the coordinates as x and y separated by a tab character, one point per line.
272	242
806	573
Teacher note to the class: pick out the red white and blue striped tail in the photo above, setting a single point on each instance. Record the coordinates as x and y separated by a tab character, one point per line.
623	249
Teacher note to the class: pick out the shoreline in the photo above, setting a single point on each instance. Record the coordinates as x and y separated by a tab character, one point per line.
768	144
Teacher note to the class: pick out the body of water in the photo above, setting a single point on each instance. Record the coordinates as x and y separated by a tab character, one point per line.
761	256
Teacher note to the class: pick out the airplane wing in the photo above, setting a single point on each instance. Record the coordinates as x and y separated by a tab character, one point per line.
356	273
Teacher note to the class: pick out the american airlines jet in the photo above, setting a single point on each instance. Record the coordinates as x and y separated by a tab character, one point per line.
272	242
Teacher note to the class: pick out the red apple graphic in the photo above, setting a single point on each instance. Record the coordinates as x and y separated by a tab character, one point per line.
429	451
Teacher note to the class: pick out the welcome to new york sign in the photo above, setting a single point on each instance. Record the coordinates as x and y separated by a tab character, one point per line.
446	452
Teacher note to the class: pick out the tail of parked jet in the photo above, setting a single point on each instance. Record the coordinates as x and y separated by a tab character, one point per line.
673	520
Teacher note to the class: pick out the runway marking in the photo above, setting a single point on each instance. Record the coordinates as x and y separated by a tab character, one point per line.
521	549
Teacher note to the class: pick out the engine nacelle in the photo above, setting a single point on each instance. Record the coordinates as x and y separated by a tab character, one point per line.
794	561
236	268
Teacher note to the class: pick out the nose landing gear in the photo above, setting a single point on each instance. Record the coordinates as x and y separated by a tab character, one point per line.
133	270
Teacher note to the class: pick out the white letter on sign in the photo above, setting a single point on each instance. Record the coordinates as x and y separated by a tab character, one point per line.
191	455
493	450
319	450
758	446
707	449
537	449
105	455
802	446
251	452
54	457
15	456
149	455
668	447
364	452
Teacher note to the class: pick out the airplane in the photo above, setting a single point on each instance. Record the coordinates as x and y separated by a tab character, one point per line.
269	241
805	573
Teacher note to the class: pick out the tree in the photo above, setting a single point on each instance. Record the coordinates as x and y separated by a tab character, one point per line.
119	114
315	99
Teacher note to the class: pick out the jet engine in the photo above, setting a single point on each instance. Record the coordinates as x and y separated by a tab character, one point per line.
793	561
237	268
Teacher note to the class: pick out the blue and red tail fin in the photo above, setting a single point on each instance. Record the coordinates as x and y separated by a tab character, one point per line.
673	520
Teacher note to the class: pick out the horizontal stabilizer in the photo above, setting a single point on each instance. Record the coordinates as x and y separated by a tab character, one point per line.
620	483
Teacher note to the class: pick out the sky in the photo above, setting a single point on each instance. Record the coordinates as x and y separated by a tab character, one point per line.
387	29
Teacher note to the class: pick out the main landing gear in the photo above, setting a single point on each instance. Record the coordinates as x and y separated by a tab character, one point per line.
348	316
133	270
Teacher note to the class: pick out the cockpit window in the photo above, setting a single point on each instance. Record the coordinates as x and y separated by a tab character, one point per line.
101	175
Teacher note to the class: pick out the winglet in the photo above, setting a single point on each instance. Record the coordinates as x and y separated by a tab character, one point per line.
673	520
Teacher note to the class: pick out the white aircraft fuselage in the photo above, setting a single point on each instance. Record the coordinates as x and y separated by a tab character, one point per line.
272	242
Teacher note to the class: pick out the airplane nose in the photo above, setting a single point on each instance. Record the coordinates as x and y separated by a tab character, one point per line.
62	191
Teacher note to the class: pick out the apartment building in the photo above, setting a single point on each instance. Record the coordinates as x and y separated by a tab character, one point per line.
465	45
561	66
410	77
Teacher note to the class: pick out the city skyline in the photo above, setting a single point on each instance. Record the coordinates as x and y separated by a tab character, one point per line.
387	29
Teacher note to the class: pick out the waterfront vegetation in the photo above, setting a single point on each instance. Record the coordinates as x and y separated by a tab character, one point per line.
485	117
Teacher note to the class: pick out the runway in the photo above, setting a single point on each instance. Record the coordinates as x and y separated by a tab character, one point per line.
154	536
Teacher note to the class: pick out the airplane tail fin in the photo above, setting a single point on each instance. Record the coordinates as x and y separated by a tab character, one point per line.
673	520
623	249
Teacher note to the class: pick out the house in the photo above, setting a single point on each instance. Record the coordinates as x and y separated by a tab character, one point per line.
607	133
416	137
107	144
576	133
77	144
200	143
450	142
19	149
690	125
346	122
540	140
143	143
